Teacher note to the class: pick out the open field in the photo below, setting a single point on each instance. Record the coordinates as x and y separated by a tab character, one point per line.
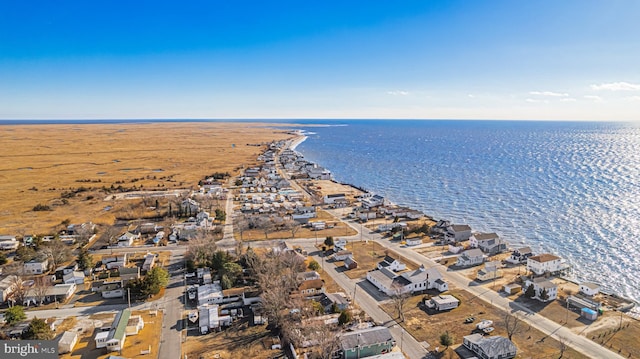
238	341
66	166
428	327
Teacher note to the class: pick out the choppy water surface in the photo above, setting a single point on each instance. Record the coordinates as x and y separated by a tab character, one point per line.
569	188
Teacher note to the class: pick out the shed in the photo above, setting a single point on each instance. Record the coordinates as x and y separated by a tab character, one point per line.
589	314
512	288
67	341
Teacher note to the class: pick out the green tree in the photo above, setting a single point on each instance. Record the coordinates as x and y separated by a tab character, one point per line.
25	253
85	260
38	330
14	314
544	294
3	259
156	279
226	282
328	241
530	292
219	259
317	307
220	215
344	318
232	270
446	339
313	265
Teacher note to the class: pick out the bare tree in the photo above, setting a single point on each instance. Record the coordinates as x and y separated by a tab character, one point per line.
512	324
41	286
293	227
325	337
563	344
201	249
57	252
399	297
19	290
267	226
110	235
241	224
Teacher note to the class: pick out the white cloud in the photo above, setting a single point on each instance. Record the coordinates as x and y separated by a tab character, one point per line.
593	97
398	93
616	86
471	95
634	98
548	93
568	99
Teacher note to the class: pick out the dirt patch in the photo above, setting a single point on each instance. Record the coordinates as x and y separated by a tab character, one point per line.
238	341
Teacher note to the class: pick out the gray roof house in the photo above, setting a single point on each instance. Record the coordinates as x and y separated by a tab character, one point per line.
470	257
366	342
495	347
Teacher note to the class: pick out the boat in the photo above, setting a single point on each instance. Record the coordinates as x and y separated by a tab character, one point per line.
484	324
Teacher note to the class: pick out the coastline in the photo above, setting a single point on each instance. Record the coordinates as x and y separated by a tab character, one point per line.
634	311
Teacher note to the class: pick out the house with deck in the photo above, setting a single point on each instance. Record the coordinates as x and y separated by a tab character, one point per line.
489	243
589	288
458	233
520	255
544	263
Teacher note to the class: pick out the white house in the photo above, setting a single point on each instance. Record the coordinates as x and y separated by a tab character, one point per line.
489	243
210	294
149	262
126	239
67	341
423	278
520	255
36	266
541	284
7	286
442	302
544	263
332	198
114	339
392	263
340	243
8	243
342	255
491	270
115	261
76	277
209	318
589	288
413	241
471	257
373	201
366	215
409	282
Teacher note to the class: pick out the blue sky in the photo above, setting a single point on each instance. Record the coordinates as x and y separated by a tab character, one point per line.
539	60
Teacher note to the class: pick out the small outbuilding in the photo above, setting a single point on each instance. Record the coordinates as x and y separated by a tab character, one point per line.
67	341
442	302
589	314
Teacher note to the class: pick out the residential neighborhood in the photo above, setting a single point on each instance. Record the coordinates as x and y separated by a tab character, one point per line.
312	267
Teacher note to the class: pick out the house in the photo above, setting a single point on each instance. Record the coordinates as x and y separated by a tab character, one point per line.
441	227
209	318
58	293
589	288
388	282
190	206
392	263
478	236
67	341
109	290
471	257
115	261
126	239
309	288
114	339
73	277
442	302
129	273
36	266
542	285
373	201
210	294
340	243
62	270
365	343
494	347
413	241
491	270
490	243
458	232
366	215
332	198
318	225
8	243
544	263
342	255
149	262
302	276
520	255
389	226
350	263
329	300
7	286
422	279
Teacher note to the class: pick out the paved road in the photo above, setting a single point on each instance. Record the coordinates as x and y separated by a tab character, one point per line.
172	304
356	289
577	342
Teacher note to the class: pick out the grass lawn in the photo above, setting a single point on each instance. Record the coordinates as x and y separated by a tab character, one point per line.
428	327
238	341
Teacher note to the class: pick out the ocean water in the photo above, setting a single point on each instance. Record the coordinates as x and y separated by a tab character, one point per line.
569	188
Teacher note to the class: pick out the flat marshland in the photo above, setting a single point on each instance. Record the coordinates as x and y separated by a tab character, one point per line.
67	171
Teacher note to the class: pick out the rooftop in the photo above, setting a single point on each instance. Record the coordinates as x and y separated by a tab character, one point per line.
542	258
